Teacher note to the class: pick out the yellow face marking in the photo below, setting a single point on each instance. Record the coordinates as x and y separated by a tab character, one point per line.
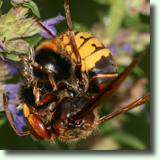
66	40
26	110
68	49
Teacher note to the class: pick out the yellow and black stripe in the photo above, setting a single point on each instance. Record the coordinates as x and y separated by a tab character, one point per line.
97	60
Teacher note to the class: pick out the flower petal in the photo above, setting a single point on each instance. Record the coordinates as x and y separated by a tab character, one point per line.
127	48
11	88
18	117
113	49
10	68
44	34
49	25
2	46
53	21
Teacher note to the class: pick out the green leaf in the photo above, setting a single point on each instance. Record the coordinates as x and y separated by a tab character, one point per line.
107	2
120	68
131	21
138	71
34	40
0	13
32	5
129	140
106	128
13	4
1	2
142	27
2	121
11	56
134	22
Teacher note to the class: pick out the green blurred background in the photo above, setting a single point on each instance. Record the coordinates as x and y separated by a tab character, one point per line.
130	131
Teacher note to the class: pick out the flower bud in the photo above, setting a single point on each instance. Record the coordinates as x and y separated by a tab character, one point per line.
14	24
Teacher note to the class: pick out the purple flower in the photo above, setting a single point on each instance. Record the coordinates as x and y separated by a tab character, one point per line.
11	69
126	84
18	117
49	25
127	48
2	46
113	49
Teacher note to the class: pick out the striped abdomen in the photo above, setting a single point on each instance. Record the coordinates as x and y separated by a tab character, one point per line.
97	60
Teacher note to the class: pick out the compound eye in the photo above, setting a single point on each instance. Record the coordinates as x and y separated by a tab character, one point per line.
35	125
